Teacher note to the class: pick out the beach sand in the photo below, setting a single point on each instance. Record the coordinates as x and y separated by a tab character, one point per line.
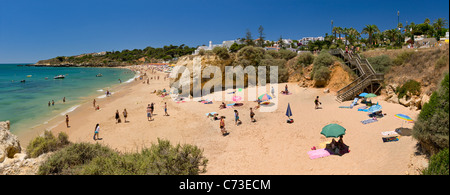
269	146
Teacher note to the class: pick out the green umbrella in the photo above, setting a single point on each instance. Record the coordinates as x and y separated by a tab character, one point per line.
333	130
370	95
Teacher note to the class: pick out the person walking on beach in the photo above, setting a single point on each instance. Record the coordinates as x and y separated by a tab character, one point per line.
117	117
67	121
236	117
273	92
317	102
125	114
149	113
94	103
97	129
252	115
165	109
222	126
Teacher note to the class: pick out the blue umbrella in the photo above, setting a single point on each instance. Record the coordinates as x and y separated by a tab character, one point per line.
374	108
288	111
363	94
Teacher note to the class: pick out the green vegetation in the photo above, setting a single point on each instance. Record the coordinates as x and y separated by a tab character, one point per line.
438	164
403	58
222	52
94	159
126	56
321	72
380	64
411	86
46	143
443	61
432	126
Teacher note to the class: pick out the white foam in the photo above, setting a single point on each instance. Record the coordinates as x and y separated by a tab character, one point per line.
100	90
71	109
103	96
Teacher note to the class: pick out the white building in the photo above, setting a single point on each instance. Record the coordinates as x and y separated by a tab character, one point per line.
306	40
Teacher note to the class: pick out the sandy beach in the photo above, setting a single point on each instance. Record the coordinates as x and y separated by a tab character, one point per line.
268	146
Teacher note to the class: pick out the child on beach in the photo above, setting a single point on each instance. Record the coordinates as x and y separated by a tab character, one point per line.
236	117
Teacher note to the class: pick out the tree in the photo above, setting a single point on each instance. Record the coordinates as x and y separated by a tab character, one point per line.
370	29
440	23
261	36
248	38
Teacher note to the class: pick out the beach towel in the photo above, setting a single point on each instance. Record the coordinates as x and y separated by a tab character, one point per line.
387	133
319	153
362	108
369	121
390	139
232	104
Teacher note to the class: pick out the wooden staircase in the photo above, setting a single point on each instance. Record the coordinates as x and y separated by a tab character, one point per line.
366	80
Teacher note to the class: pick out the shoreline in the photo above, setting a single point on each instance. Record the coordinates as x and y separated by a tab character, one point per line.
269	146
25	136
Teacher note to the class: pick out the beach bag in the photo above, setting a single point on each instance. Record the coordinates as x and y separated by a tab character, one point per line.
290	121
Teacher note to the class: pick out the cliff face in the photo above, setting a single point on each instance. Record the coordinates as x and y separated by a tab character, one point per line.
13	161
425	66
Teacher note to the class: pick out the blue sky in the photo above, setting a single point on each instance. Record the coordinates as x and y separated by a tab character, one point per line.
32	30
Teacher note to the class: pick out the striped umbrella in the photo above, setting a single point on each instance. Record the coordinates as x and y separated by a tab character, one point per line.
404	117
265	97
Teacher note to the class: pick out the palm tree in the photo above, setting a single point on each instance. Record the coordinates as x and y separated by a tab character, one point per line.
440	23
370	29
353	35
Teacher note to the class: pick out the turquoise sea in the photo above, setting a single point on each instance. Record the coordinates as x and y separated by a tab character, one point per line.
25	104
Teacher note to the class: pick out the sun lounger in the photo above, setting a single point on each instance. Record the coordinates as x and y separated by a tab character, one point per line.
368	121
319	153
363	108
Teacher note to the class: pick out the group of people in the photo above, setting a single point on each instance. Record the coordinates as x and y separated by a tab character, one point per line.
151	108
117	116
337	148
237	120
53	101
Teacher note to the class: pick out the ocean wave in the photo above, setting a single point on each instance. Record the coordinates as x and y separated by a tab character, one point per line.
71	109
100	90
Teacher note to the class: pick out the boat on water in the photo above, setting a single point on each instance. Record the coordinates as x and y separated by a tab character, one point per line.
59	77
99	75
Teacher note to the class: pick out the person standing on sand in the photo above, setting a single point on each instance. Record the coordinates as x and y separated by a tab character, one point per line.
252	114
149	113
97	129
165	109
117	116
222	126
236	117
67	121
317	102
125	114
273	92
152	106
94	103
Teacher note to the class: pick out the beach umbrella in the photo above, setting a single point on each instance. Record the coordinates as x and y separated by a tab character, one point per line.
265	97
288	111
362	94
333	130
374	108
370	95
404	117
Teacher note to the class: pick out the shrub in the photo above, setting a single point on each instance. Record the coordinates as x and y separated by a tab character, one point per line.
402	58
286	54
305	59
222	52
94	159
439	164
432	126
321	76
46	143
443	61
410	86
323	60
380	63
69	160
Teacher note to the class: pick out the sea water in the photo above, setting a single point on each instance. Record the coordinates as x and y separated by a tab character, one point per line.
25	104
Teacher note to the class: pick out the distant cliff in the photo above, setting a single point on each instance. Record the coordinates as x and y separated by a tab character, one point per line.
120	58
